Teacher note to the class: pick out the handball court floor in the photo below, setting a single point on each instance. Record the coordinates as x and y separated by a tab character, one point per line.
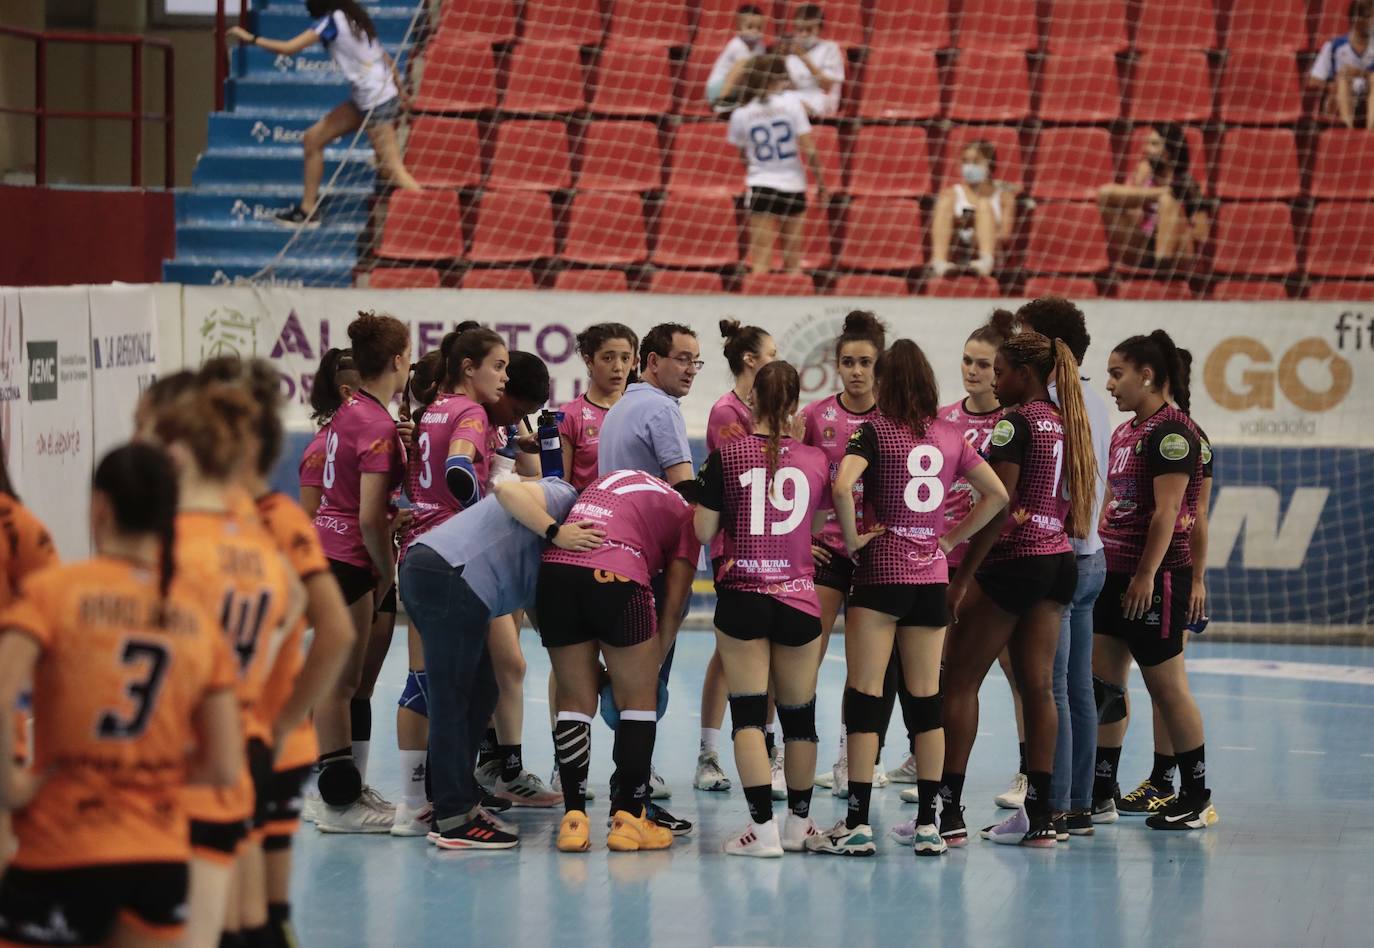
1291	763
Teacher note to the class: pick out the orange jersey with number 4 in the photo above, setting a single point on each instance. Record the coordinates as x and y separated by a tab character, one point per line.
114	695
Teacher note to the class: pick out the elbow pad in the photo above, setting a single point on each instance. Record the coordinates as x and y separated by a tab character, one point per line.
461	477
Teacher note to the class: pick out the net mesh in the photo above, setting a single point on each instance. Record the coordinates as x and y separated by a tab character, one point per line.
570	144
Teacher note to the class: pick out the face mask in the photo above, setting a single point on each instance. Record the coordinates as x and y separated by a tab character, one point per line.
808	43
751	38
975	174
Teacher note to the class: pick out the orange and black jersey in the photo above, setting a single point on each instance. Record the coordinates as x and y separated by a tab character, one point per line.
25	547
118	681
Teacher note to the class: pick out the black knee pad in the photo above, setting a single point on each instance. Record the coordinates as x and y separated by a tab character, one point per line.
340	782
1111	701
863	714
799	722
926	713
276	843
748	711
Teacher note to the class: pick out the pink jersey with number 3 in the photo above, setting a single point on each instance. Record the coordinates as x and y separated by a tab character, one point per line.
448	418
360	439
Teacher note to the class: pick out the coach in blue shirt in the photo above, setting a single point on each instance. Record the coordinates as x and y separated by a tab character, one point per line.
644	431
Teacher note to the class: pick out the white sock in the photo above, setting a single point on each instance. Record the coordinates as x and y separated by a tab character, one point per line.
413	778
710	739
360	749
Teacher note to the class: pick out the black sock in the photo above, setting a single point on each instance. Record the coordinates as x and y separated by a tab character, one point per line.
1021	767
1192	770
572	747
760	800
952	790
768	742
927	790
512	761
279	920
1038	793
360	719
1104	774
260	937
634	750
487	750
799	802
859	795
1162	776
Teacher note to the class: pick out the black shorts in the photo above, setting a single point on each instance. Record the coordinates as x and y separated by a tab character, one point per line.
914	606
837	574
355	581
576	604
1016	585
218	842
280	806
388	604
750	615
1157	636
775	202
82	906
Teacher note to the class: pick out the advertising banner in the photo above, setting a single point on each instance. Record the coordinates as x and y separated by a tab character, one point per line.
12	380
123	359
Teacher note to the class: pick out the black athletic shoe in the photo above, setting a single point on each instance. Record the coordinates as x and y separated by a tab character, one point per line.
952	828
480	832
1041	834
662	817
1079	822
1185	813
1146	799
495	804
296	216
1060	822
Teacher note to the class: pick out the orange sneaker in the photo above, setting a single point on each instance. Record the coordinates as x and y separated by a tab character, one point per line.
574	833
630	833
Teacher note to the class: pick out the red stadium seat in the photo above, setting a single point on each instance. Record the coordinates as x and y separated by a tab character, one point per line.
606	229
1080	87
1176	24
963	287
561	21
1004	140
1072	163
478	21
817	253
621	156
883	234
1277	25
998	25
900	83
990	86
1254	239
1074	288
592	281
1343	168
826	138
685	282
422	225
530	155
545	77
500	279
656	24
716	24
1335	21
1154	290
1067	238
403	278
871	284
1249	291
778	284
444	152
1260	88
1087	24
1342	290
633	81
1258	164
1339	239
701	161
513	227
889	161
456	78
1171	86
844	21
902	23
691	85
697	230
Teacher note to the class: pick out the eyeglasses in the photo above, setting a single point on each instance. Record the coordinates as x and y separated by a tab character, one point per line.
687	362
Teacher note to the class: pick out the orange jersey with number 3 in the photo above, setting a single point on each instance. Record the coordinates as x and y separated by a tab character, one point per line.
114	694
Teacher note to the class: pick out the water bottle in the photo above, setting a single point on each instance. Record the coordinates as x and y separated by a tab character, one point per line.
550	444
1197	627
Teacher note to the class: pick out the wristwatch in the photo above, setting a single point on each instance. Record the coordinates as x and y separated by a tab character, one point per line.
552	531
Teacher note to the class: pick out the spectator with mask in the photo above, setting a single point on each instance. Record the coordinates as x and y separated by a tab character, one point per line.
1342	69
729	67
815	65
973	217
1158	218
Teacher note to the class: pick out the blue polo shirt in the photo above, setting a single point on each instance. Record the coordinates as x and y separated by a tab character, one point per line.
644	431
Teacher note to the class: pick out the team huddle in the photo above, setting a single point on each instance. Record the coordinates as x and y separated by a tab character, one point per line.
205	680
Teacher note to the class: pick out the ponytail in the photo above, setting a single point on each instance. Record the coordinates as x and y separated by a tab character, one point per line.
141	485
777	388
1080	461
907	391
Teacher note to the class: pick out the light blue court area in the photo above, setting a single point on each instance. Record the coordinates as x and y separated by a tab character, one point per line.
1291	862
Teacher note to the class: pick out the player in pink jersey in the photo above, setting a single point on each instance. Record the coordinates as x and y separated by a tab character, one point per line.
768	493
1153	487
827	424
1019	573
602	600
609	351
747	349
908	460
335	382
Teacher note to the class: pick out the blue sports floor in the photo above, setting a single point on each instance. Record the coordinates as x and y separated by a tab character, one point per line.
1291	762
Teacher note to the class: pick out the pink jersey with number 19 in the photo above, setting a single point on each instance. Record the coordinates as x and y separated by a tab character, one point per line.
360	439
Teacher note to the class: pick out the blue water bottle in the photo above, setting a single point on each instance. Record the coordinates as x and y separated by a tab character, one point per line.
550	443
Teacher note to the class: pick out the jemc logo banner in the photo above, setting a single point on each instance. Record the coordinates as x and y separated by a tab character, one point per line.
42	371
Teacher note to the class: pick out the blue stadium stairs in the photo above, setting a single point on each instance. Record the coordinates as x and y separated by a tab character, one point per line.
251	168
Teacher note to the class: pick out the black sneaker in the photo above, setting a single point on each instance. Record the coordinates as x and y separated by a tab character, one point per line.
1042	834
296	216
495	804
1060	822
663	818
1145	799
480	832
1185	813
952	828
1079	822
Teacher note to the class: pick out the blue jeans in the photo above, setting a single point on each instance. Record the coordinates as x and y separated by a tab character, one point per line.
452	623
1075	750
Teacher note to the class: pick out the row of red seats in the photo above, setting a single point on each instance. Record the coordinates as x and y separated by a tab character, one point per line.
1254	88
873	234
1113	25
878	160
696	282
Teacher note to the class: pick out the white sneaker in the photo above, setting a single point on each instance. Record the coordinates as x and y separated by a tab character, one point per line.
312	807
911	795
826	779
658	786
779	777
796	830
1014	797
487	774
357	817
412	821
709	775
757	839
905	773
378	802
527	790
839	782
556	785
928	841
880	779
1010	831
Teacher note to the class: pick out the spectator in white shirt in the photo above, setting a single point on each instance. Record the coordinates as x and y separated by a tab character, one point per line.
815	65
746	43
1343	67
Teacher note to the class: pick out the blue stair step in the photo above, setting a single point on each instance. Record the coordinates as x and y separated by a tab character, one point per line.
300	93
313	60
264	238
199	271
253	128
236	205
282	24
276	166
